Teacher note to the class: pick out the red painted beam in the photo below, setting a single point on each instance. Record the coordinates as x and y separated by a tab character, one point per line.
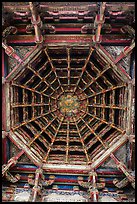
3	63
68	39
99	172
24	59
67	29
12	161
4	150
127	50
112	59
3	108
11	52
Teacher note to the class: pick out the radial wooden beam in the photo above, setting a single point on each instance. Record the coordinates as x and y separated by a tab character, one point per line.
82	141
68	68
33	119
103	102
108	123
30	89
95	79
67	141
38	135
108	106
93	132
53	68
41	78
30	104
53	140
112	101
84	68
106	90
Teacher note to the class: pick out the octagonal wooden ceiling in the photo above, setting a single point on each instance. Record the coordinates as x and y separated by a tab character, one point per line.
68	105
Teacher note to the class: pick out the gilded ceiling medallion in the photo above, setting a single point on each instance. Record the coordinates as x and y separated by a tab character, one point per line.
68	104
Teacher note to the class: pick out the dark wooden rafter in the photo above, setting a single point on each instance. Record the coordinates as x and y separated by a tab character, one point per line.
30	89
53	68
33	119
82	141
68	68
67	141
84	68
38	135
41	78
53	140
106	90
93	132
99	75
109	123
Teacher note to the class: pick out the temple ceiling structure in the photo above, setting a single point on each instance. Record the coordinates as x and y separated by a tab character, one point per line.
68	78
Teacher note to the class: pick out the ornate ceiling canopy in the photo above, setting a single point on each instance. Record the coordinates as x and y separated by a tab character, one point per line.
68	77
66	103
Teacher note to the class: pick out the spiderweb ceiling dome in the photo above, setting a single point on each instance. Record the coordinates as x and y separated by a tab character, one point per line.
68	104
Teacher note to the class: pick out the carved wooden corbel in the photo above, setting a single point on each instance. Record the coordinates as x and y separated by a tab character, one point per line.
8	49
120	184
8	31
127	173
48	182
31	180
12	161
91	185
12	178
39	182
